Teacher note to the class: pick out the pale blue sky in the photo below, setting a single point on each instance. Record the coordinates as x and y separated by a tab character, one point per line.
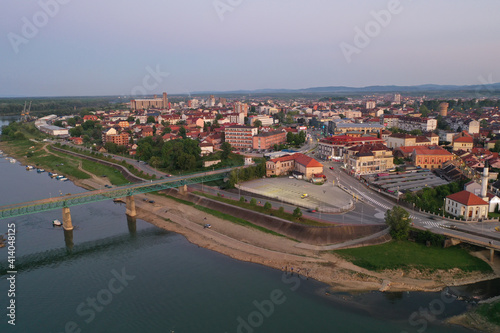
104	47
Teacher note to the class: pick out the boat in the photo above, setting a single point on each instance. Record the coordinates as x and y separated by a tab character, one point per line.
30	167
56	223
12	160
53	175
40	170
62	179
59	177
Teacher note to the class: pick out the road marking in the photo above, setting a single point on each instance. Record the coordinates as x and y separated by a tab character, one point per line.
433	224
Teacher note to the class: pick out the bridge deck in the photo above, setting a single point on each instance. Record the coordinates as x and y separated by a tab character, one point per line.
43	205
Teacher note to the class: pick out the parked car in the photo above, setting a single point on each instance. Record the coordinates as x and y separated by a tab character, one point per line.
305	195
331	168
207	226
311	210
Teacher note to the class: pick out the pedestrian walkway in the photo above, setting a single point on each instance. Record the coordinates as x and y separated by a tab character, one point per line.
433	224
366	197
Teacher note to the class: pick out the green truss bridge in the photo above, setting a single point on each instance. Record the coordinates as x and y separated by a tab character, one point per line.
127	191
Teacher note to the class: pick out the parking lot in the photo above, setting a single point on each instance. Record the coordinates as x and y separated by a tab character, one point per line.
292	190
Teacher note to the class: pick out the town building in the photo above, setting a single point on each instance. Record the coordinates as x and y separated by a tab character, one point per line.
408	123
430	157
335	146
463	141
466	204
267	140
368	159
240	137
342	128
396	140
298	162
150	103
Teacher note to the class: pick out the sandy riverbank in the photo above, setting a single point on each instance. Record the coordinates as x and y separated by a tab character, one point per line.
248	244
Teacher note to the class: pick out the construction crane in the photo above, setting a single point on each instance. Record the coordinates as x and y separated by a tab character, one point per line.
25	114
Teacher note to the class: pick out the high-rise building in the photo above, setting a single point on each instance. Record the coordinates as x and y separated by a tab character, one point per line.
241	108
397	98
371	105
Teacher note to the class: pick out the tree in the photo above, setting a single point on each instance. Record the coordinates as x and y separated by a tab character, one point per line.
398	219
71	122
226	150
257	123
297	213
424	111
267	206
182	132
253	202
151	120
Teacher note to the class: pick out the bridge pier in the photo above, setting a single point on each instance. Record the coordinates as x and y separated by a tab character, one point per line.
492	255
183	190
68	239
130	202
132	225
66	214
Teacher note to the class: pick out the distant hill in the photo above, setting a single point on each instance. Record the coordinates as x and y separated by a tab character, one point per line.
485	89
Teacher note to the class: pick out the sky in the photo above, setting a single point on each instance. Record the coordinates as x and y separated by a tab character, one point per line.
132	47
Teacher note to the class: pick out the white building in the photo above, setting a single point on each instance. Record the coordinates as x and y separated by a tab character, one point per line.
466	204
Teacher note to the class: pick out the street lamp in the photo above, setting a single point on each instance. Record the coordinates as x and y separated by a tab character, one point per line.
444	205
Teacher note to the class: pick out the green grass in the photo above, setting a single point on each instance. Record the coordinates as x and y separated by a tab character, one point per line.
104	157
407	255
260	209
223	216
115	177
490	312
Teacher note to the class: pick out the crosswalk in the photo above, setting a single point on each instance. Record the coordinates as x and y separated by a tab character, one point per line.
433	224
373	201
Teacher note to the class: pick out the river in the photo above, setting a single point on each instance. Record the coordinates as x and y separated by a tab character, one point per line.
111	277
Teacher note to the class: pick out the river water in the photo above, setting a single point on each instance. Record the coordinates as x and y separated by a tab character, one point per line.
114	277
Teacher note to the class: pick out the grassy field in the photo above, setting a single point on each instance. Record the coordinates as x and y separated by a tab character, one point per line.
104	157
114	176
35	155
261	209
223	216
491	312
408	255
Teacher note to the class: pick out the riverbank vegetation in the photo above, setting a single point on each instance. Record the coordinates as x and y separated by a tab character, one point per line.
42	106
223	216
408	255
264	208
491	312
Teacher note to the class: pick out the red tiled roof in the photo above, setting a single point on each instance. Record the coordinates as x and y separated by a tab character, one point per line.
431	150
467	198
465	139
305	160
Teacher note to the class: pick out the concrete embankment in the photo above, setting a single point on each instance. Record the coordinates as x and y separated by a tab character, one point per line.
303	233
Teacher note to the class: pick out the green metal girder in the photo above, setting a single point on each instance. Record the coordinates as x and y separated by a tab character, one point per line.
102	195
